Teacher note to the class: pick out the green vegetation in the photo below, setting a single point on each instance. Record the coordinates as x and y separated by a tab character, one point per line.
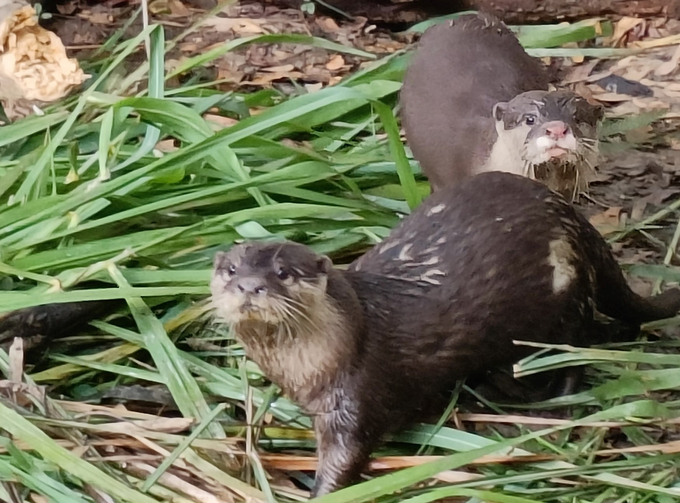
86	195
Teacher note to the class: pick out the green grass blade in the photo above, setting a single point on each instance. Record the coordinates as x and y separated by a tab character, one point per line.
22	429
179	381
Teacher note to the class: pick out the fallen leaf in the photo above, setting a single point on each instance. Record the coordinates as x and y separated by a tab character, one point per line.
188	47
650	103
335	63
279	69
580	73
610	97
574	45
97	17
166	146
657	42
607	222
241	26
327	24
220	120
313	87
267	78
622	28
178	9
159	7
658	197
669	66
638	210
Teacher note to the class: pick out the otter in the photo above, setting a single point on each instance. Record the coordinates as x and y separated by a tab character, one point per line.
473	101
495	259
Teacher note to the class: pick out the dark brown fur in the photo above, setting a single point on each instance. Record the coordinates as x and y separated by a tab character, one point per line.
441	299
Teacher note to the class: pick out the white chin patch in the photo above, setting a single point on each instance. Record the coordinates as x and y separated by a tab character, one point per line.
227	306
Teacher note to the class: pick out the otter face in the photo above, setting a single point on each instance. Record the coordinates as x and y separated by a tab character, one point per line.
269	282
550	128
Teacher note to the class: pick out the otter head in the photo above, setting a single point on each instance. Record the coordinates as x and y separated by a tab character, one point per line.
275	283
553	132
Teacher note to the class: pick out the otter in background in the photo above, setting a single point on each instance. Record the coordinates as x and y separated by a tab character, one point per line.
495	259
474	101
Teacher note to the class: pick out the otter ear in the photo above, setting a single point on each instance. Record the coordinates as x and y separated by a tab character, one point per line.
324	264
219	258
499	110
589	111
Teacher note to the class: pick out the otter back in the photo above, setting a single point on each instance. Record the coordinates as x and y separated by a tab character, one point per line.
460	70
502	248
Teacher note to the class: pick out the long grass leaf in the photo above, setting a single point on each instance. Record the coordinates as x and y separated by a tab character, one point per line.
21	429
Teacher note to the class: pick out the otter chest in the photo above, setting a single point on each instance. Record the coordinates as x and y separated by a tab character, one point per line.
302	366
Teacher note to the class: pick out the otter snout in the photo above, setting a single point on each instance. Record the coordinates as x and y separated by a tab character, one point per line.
556	130
254	286
551	140
242	299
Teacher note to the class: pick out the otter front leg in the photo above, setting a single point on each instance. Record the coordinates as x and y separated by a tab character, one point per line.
343	448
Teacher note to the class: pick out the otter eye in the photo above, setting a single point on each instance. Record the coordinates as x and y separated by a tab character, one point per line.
231	270
282	274
529	120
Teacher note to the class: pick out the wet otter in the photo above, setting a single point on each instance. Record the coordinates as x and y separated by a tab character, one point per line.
494	259
473	101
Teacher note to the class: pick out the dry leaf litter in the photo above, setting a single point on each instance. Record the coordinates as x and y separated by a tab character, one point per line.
34	67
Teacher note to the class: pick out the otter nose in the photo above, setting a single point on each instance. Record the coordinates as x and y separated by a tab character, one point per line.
251	285
556	129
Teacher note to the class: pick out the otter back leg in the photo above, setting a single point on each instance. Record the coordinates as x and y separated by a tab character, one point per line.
574	327
501	387
614	331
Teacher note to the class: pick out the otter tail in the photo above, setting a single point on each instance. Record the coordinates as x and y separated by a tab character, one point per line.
615	298
52	320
